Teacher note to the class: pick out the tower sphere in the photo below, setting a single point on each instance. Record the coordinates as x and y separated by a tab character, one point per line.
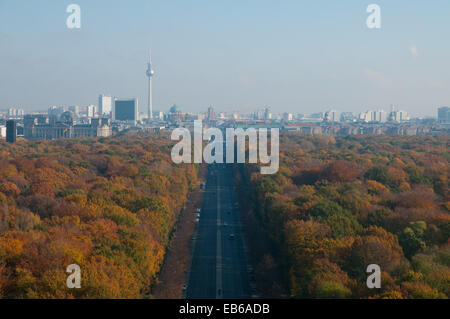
150	72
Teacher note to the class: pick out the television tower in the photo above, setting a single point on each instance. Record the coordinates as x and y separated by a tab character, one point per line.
150	72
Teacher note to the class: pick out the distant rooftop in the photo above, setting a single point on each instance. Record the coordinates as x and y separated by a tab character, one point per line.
175	109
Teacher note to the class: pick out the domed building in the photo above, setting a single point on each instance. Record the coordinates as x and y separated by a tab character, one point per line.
175	115
174	109
67	118
38	127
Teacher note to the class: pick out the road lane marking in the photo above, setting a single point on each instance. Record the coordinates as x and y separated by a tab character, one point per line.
219	290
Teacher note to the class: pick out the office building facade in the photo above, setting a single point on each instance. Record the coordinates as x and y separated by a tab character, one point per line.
444	115
125	110
40	128
11	131
105	105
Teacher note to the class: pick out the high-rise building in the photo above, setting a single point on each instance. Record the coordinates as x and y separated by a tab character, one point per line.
332	116
150	73
288	117
11	131
15	113
105	104
399	116
125	110
380	116
267	114
210	116
159	115
2	131
90	111
259	115
364	116
444	115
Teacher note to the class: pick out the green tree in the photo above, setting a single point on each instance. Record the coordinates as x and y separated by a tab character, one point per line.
411	238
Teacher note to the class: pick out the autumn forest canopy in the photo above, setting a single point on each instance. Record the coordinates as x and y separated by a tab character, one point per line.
336	205
108	205
339	204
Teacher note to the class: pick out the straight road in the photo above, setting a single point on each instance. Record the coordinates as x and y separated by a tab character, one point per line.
219	264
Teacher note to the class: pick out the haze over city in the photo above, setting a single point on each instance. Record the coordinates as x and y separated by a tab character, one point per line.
224	158
294	56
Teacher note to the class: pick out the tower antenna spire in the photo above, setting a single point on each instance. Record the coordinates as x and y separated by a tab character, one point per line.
150	72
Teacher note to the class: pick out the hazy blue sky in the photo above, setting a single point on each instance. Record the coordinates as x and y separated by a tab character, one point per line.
297	56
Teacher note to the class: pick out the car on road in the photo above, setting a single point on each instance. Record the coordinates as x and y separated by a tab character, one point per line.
184	287
249	269
231	236
199	210
194	238
225	224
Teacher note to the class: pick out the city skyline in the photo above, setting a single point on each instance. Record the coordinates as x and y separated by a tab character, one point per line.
293	57
99	111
